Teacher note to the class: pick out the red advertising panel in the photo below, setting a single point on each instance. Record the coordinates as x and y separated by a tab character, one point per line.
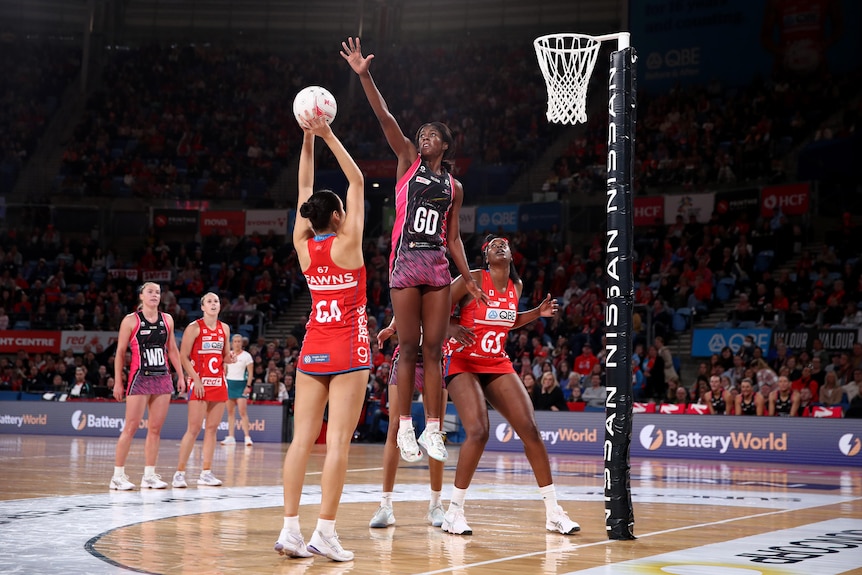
219	223
791	199
81	341
264	221
31	341
649	211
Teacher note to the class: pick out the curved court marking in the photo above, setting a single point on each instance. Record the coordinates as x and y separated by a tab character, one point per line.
66	524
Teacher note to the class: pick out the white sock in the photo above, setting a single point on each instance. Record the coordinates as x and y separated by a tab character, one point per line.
149	470
405	423
458	496
206	471
386	499
292	524
549	496
326	527
119	471
433	424
435	499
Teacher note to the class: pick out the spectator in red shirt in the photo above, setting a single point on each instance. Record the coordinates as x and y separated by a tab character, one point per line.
583	364
806	381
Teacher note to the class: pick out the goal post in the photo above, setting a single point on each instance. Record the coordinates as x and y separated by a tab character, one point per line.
566	62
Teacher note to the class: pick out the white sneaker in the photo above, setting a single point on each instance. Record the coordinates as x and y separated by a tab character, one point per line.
406	441
383	517
455	523
179	480
328	547
432	441
228	441
558	520
153	482
291	544
248	440
207	478
435	515
121	483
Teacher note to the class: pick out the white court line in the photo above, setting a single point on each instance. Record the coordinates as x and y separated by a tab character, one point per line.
608	541
71	521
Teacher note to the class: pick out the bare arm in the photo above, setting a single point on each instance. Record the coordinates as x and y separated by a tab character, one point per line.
123	338
758	403
351	230
189	336
456	245
707	397
301	226
404	148
249	370
795	402
548	308
227	356
772	396
174	356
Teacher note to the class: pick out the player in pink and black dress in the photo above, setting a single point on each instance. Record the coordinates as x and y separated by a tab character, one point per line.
335	359
204	352
427	205
480	372
149	335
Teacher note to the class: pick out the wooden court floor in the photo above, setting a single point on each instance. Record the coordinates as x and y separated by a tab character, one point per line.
691	518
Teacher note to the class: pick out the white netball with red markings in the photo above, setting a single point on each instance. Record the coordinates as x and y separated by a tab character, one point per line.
317	100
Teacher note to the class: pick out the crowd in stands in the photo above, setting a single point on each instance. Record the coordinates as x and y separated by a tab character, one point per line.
215	123
201	121
189	121
706	134
35	74
51	282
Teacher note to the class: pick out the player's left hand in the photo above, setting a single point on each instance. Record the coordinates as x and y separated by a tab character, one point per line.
474	290
549	307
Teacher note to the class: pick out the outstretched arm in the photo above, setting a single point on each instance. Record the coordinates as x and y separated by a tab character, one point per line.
548	308
301	227
355	205
351	51
456	245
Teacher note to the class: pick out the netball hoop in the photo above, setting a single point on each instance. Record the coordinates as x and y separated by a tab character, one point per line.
567	61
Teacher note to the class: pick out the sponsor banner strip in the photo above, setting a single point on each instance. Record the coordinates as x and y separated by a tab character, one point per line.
107	419
761	439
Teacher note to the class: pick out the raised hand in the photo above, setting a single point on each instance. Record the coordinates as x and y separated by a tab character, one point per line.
352	52
315	125
549	307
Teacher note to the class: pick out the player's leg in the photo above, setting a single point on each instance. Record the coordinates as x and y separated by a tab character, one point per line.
350	389
384	516
136	405
469	399
312	393
407	305
157	413
242	407
214	414
231	423
507	395
435	468
197	410
436	308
